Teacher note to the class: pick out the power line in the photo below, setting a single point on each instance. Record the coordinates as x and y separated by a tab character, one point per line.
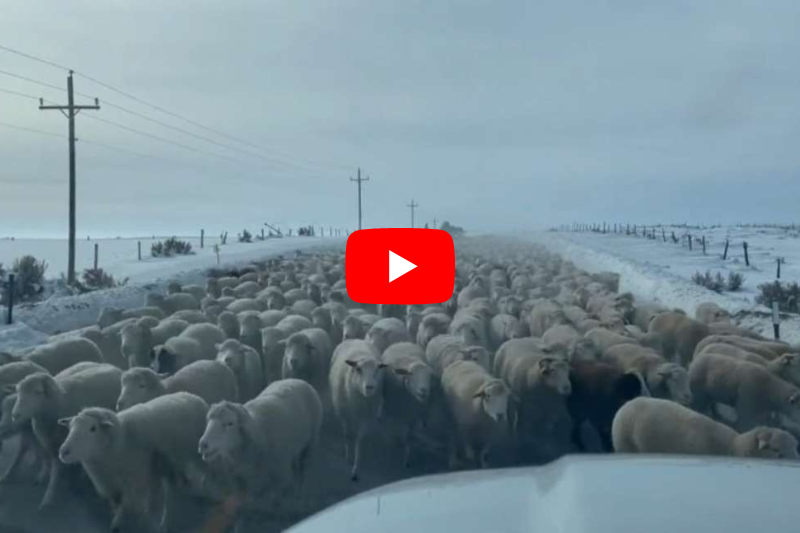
16	93
32	130
32	57
31	80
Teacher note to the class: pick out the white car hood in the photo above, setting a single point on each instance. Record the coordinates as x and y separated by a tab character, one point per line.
582	493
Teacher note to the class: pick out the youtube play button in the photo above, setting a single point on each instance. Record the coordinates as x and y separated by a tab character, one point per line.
400	266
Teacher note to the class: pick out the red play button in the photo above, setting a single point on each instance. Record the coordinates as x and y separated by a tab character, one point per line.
400	266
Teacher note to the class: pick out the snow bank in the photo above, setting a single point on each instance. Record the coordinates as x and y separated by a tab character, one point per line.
58	314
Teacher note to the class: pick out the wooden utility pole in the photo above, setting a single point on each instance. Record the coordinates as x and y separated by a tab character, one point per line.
70	111
359	180
413	206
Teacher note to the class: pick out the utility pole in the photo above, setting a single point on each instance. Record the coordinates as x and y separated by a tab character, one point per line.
70	111
413	206
359	180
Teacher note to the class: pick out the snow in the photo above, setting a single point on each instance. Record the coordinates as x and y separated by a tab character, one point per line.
658	271
35	322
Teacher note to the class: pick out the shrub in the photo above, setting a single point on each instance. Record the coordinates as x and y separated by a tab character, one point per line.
787	295
170	247
452	229
709	281
94	279
735	281
29	278
245	236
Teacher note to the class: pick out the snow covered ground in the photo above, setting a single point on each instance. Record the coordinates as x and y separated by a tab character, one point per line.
660	271
35	322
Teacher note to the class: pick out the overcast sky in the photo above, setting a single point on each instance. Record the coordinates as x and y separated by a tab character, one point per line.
493	114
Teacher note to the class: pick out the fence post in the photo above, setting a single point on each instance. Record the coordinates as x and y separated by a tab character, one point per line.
704	245
262	234
725	253
664	233
690	241
139	246
10	298
202	238
746	256
96	254
779	267
776	320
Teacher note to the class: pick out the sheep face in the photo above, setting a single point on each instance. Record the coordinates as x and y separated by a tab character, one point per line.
33	397
353	328
676	380
494	397
367	374
139	385
413	321
212	288
298	355
553	373
229	324
276	301
173	287
223	433
87	437
136	343
163	361
479	355
584	350
321	318
767	443
418	381
467	334
232	356
790	366
429	329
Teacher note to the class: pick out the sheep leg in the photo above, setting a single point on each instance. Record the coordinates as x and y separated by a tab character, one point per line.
453	455
483	457
407	445
347	436
357	454
16	459
56	470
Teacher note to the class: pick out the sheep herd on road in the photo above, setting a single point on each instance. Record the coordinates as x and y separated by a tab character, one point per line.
226	392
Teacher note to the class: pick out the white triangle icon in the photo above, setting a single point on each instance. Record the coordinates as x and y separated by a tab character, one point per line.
398	266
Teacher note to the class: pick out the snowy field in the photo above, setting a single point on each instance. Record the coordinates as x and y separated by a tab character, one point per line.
35	322
661	271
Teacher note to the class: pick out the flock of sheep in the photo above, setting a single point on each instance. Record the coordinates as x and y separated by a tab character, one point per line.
226	392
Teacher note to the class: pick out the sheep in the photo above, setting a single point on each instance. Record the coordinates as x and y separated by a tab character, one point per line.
504	327
387	331
272	352
565	340
767	350
111	315
472	329
59	355
444	350
510	305
321	318
413	322
229	323
119	451
679	335
710	313
293	323
192	316
250	331
307	356
526	367
213	287
198	341
108	342
246	289
603	339
137	340
269	441
353	328
172	303
652	425
246	304
212	381
545	315
478	406
664	379
195	290
757	395
246	365
407	390
271	317
303	308
273	298
432	324
43	399
355	380
476	289
644	313
295	295
726	328
599	390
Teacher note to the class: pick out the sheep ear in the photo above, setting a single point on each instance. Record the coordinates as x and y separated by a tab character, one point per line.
401	371
65	421
353	364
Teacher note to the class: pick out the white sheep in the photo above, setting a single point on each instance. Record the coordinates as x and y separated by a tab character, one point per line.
652	425
663	379
303	308
307	356
711	313
478	404
197	291
196	342
44	399
245	363
59	355
118	451
138	340
246	304
267	442
407	390
757	394
272	352
293	323
356	379
471	327
353	328
250	330
192	316
444	350
246	289
213	381
503	327
565	340
172	303
229	323
271	317
432	324
387	331
111	315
